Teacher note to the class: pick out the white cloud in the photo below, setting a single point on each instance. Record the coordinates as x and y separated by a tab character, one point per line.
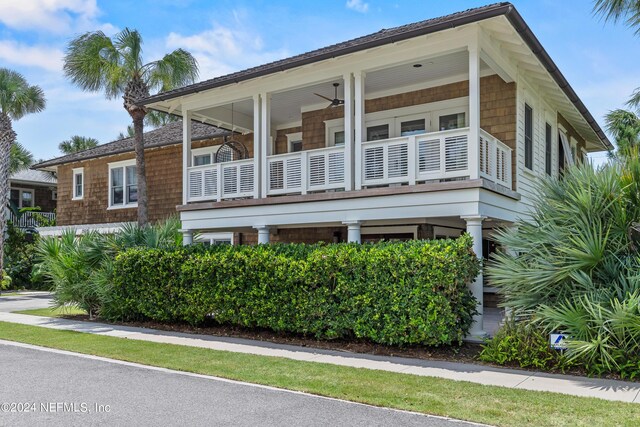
358	6
44	57
54	16
222	50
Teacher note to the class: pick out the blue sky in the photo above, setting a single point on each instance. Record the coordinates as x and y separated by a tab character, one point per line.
599	60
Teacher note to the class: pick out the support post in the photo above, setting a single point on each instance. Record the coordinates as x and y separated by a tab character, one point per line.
474	228
474	110
187	237
359	127
263	234
186	154
353	231
265	143
348	132
257	152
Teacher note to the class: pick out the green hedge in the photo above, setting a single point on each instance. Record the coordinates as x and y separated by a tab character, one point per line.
391	293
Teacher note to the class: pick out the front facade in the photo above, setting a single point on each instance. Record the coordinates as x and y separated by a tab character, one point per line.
422	131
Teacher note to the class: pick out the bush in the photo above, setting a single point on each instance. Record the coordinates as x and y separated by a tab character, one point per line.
391	293
577	263
524	345
20	256
79	267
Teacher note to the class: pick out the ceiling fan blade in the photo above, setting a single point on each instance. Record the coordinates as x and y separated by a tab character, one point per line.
322	96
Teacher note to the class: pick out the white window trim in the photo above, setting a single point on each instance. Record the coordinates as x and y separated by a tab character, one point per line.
116	165
566	145
291	138
212	150
431	112
77	171
20	190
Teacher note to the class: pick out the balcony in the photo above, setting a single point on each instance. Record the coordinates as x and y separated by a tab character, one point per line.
429	157
31	219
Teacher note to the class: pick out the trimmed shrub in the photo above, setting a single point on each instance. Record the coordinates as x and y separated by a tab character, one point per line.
20	256
395	293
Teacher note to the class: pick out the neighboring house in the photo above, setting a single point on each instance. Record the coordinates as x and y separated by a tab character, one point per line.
32	189
97	188
438	127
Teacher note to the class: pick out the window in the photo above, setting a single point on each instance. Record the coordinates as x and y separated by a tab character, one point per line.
375	133
451	121
202	159
338	138
78	183
547	149
413	127
123	184
21	197
294	141
528	137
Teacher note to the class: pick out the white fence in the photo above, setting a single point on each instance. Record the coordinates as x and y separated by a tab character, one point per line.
495	160
31	219
230	180
305	171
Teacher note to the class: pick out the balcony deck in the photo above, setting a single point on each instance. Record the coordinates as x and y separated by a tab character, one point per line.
434	157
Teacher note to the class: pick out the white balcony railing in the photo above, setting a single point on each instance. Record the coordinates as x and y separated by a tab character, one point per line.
31	219
495	159
431	156
305	171
230	180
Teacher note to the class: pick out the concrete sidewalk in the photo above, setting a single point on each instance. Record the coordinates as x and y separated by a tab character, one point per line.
510	378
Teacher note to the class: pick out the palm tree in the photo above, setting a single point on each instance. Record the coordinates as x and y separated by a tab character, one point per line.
129	133
19	157
17	99
624	126
77	143
96	62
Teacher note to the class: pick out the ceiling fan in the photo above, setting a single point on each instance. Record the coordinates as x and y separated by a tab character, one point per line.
335	102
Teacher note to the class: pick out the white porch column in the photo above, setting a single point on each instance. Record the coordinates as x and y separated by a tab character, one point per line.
186	154
474	228
359	127
257	152
474	110
353	231
265	143
348	132
263	234
187	237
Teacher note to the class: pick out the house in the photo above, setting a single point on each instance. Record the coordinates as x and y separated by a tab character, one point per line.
32	189
421	131
97	189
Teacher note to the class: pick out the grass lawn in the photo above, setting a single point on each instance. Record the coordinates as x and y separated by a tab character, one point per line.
468	401
53	312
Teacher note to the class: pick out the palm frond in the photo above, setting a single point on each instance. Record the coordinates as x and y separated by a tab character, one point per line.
175	69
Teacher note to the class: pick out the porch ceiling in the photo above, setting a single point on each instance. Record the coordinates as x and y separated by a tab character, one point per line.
286	107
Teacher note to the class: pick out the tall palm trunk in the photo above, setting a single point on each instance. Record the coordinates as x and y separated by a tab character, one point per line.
7	138
136	89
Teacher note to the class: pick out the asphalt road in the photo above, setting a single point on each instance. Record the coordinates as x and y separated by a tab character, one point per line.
25	302
67	390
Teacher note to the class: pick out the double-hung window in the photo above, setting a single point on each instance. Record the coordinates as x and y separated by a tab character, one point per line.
528	137
547	148
123	184
78	183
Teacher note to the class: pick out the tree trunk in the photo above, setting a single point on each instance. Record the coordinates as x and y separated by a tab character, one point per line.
143	201
137	89
7	137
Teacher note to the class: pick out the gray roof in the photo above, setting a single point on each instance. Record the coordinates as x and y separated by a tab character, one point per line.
166	135
392	35
34	176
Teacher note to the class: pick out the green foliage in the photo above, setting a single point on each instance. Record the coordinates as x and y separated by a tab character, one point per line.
79	267
524	345
392	293
20	256
19	157
77	143
6	281
577	268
